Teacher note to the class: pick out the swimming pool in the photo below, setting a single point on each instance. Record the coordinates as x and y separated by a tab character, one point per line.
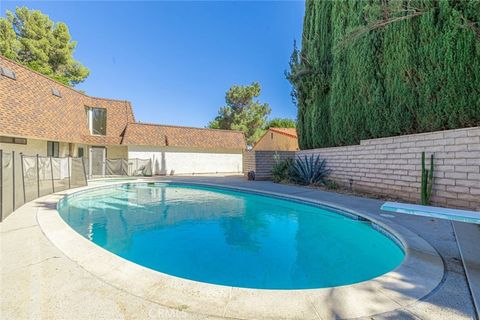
232	238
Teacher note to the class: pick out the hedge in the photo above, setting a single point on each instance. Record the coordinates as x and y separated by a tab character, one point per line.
370	69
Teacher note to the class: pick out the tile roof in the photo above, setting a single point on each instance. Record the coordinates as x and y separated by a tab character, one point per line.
292	132
29	109
177	136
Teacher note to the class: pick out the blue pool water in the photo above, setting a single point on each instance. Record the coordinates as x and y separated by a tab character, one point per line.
230	238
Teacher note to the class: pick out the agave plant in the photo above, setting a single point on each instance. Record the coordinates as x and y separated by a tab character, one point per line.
309	170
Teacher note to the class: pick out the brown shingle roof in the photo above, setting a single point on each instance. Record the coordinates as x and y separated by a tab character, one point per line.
29	109
177	136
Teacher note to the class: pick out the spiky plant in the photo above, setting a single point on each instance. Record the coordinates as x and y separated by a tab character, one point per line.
427	181
309	170
280	169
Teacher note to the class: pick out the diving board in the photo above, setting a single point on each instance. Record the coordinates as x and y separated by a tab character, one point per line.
434	212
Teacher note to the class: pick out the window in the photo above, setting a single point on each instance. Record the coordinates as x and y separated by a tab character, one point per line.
80	152
271	135
52	149
97	120
14	140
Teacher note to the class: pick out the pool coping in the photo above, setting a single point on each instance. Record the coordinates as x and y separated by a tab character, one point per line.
419	274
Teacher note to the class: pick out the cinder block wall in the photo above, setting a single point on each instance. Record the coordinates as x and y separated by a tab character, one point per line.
262	162
392	166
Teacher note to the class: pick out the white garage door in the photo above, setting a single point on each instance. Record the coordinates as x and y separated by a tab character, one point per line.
168	161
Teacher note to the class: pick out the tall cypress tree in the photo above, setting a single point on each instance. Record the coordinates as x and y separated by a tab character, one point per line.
379	68
304	82
353	75
400	78
322	65
449	52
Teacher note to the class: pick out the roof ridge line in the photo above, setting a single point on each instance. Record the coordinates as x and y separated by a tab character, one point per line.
177	126
109	99
284	133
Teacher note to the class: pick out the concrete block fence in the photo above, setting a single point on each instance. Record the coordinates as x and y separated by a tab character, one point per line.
262	162
392	166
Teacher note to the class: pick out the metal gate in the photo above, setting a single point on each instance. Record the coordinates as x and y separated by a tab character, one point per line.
97	161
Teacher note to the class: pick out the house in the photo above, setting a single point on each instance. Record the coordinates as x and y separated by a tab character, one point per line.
278	139
41	116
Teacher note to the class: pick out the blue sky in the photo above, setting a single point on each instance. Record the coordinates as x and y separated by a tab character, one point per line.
175	60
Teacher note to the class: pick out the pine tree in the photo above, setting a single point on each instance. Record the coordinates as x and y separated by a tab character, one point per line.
31	38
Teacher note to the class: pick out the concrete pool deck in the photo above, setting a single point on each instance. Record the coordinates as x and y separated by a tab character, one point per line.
42	280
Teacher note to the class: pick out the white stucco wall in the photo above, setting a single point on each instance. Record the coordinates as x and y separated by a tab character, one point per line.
33	147
168	161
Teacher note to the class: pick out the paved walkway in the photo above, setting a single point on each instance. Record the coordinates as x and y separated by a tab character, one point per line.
38	281
468	237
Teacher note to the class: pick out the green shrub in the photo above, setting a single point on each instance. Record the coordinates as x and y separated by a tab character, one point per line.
280	169
309	171
332	185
